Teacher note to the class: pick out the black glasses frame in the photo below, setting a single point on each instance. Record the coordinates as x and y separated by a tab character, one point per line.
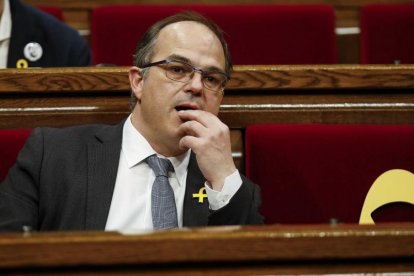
195	69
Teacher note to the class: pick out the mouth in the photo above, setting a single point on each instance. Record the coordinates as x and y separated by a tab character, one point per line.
187	106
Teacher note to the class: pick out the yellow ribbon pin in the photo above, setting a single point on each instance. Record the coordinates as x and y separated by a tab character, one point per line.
22	63
201	195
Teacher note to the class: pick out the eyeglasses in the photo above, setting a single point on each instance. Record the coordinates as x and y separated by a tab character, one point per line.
183	72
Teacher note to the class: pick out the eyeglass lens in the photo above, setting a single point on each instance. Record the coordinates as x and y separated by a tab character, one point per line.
183	72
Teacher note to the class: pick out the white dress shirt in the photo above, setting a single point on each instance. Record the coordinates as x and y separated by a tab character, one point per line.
5	33
131	201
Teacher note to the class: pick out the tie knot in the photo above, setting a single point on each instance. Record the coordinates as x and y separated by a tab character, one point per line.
160	166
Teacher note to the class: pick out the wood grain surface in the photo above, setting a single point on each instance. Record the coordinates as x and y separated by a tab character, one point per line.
256	94
95	79
277	249
363	94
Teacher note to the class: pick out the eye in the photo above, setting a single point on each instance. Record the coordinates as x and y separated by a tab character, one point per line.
213	80
176	69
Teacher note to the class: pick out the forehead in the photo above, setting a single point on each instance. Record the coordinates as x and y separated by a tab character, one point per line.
191	40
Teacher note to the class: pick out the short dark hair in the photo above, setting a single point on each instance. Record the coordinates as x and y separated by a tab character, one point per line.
145	47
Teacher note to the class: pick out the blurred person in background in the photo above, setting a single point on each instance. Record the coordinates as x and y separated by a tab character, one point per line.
32	38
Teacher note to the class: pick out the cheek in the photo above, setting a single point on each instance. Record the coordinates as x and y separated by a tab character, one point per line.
213	105
152	93
158	97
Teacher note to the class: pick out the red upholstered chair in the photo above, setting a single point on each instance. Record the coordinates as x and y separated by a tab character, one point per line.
11	141
52	10
316	173
387	33
256	34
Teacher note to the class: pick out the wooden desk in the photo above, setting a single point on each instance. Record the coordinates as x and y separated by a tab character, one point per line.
337	94
255	94
276	250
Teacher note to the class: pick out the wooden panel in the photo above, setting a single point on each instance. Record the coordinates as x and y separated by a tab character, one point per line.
272	94
345	94
256	94
348	48
276	250
244	78
78	19
237	148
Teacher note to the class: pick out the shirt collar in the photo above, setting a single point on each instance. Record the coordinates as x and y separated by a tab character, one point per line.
5	22
136	149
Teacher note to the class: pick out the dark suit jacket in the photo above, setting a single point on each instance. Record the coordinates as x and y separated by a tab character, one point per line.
62	46
64	180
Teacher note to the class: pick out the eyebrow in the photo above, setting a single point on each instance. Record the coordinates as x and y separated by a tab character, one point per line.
186	60
178	58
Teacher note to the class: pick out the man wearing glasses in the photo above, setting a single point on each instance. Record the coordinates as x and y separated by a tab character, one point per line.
168	165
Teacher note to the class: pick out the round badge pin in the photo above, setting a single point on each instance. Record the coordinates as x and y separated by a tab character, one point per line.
33	51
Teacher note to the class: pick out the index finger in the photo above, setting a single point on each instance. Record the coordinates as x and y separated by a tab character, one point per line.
203	117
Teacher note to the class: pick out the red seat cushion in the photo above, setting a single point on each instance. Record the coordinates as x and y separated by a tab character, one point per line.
387	33
256	34
11	141
315	173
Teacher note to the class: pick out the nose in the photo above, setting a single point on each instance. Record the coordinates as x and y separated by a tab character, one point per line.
195	84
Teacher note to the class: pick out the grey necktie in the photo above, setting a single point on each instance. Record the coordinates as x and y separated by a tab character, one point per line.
163	209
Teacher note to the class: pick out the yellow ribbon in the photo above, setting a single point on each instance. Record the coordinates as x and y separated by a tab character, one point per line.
201	195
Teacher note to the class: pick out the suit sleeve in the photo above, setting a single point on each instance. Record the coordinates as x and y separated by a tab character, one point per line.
243	208
19	191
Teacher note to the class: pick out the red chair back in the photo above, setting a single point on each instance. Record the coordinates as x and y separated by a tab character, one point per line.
319	173
52	10
387	33
256	34
11	141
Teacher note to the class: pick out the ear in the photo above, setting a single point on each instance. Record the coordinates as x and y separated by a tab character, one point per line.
136	81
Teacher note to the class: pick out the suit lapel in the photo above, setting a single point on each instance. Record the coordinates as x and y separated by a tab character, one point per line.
103	159
195	213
